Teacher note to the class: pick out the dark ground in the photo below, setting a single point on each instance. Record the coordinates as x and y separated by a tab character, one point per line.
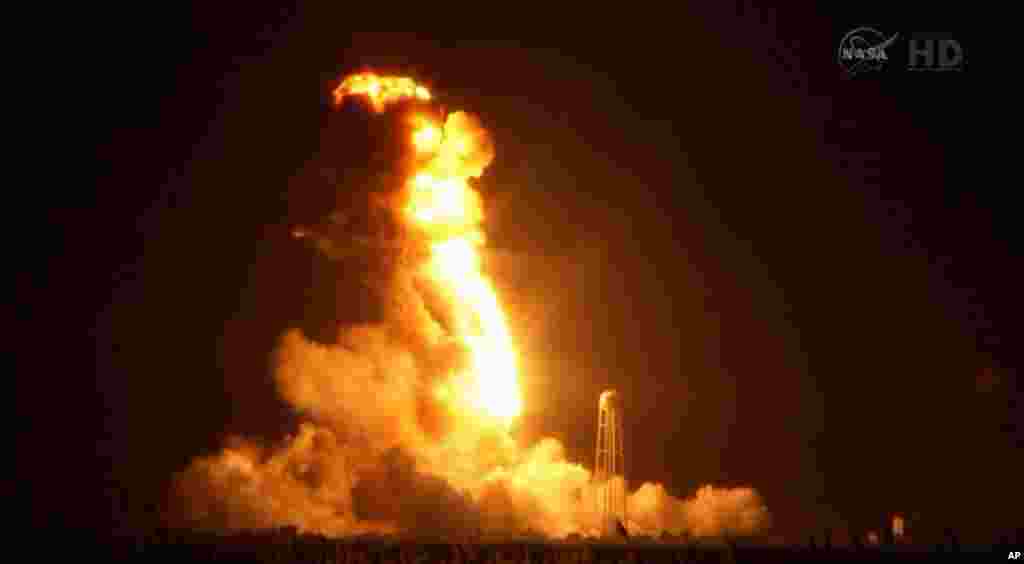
304	549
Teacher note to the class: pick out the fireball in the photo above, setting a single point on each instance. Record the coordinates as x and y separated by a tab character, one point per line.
440	203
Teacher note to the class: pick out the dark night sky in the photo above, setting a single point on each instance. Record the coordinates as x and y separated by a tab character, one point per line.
799	282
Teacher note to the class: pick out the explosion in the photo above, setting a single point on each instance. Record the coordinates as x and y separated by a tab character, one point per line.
409	419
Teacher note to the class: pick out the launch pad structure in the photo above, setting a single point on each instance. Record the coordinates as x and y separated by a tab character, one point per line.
610	466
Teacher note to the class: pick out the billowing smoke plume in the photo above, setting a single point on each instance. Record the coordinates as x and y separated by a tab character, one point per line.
407	418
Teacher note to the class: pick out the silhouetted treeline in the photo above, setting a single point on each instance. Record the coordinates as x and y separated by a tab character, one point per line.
286	546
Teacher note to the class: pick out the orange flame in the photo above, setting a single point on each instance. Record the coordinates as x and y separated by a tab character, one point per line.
440	203
380	90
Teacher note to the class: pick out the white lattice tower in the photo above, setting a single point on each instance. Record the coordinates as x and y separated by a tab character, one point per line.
610	467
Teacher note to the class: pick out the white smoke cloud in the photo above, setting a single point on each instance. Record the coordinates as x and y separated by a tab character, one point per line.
368	465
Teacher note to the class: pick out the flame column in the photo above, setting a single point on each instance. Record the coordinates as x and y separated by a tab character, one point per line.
610	475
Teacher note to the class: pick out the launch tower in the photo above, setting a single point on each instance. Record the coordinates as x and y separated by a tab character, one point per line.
610	468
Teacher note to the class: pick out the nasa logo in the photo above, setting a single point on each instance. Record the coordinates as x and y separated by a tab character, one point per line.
863	49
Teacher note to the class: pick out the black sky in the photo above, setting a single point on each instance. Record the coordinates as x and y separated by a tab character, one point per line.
800	282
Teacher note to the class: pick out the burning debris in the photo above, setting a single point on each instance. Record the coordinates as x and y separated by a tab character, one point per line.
410	417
